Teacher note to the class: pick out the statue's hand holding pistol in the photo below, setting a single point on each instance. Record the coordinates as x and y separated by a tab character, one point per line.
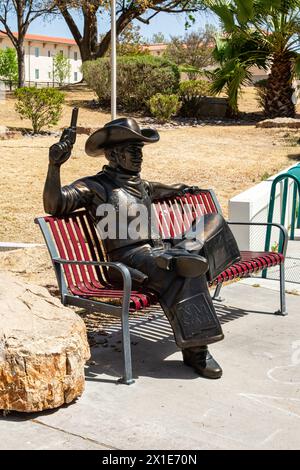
60	152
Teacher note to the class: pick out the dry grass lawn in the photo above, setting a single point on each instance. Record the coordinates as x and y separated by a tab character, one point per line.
228	159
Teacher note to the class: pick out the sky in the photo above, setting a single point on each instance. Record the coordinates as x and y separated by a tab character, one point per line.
168	24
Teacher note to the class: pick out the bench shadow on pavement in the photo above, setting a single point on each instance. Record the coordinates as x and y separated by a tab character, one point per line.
152	349
153	346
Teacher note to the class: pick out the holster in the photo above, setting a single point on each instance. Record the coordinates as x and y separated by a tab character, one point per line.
138	278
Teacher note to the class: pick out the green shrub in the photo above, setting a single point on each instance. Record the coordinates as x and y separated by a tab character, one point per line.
42	106
191	92
195	87
96	73
138	78
193	73
164	106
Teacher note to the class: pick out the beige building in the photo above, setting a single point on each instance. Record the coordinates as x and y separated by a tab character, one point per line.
155	49
39	54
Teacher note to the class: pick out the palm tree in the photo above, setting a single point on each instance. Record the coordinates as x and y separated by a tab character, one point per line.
236	55
274	25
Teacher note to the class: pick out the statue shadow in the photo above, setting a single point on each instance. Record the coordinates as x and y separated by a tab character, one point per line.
154	353
294	156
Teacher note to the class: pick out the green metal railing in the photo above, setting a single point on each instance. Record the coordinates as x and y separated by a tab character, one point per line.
294	175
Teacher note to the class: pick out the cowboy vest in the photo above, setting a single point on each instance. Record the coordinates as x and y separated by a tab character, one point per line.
124	220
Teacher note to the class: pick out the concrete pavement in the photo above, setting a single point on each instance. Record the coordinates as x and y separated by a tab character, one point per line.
256	404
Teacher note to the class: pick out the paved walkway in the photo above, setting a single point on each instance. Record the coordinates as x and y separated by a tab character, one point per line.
256	405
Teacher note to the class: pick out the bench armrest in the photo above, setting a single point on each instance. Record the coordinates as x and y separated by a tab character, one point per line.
122	268
282	229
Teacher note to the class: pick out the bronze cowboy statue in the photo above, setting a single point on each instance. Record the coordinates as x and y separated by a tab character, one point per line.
175	270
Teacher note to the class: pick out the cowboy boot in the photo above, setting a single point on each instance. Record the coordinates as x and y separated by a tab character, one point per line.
202	362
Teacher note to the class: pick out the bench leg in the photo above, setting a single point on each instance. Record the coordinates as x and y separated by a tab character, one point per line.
216	295
127	378
282	310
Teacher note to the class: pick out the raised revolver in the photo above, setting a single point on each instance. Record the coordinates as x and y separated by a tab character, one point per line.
61	151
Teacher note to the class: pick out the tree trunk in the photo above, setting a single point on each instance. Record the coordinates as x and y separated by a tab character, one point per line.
21	65
85	51
123	21
88	41
90	33
278	99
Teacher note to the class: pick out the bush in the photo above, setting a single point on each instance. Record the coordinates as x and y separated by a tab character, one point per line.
42	106
163	106
191	92
138	79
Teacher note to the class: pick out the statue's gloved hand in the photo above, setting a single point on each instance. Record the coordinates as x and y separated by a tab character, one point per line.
190	190
60	152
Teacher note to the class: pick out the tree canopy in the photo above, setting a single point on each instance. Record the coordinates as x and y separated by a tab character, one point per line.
193	51
92	11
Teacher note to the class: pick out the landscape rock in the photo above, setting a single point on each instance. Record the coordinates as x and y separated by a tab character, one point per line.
6	133
3	130
43	348
86	130
279	122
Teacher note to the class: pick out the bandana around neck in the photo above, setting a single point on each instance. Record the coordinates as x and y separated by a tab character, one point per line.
131	183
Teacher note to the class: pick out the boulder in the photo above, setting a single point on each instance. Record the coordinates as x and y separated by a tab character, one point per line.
6	133
43	348
280	122
3	130
86	130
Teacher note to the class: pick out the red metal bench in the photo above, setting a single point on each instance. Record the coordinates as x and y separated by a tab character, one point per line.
80	261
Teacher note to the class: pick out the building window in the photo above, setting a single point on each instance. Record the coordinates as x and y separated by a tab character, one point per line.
75	55
75	76
37	52
37	74
49	53
49	74
61	52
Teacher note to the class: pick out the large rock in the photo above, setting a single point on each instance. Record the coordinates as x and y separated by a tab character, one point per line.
280	122
43	348
86	130
6	133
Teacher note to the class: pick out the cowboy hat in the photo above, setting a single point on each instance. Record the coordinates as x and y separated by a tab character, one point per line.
118	131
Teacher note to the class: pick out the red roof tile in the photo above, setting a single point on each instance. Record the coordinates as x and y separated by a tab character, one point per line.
38	37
